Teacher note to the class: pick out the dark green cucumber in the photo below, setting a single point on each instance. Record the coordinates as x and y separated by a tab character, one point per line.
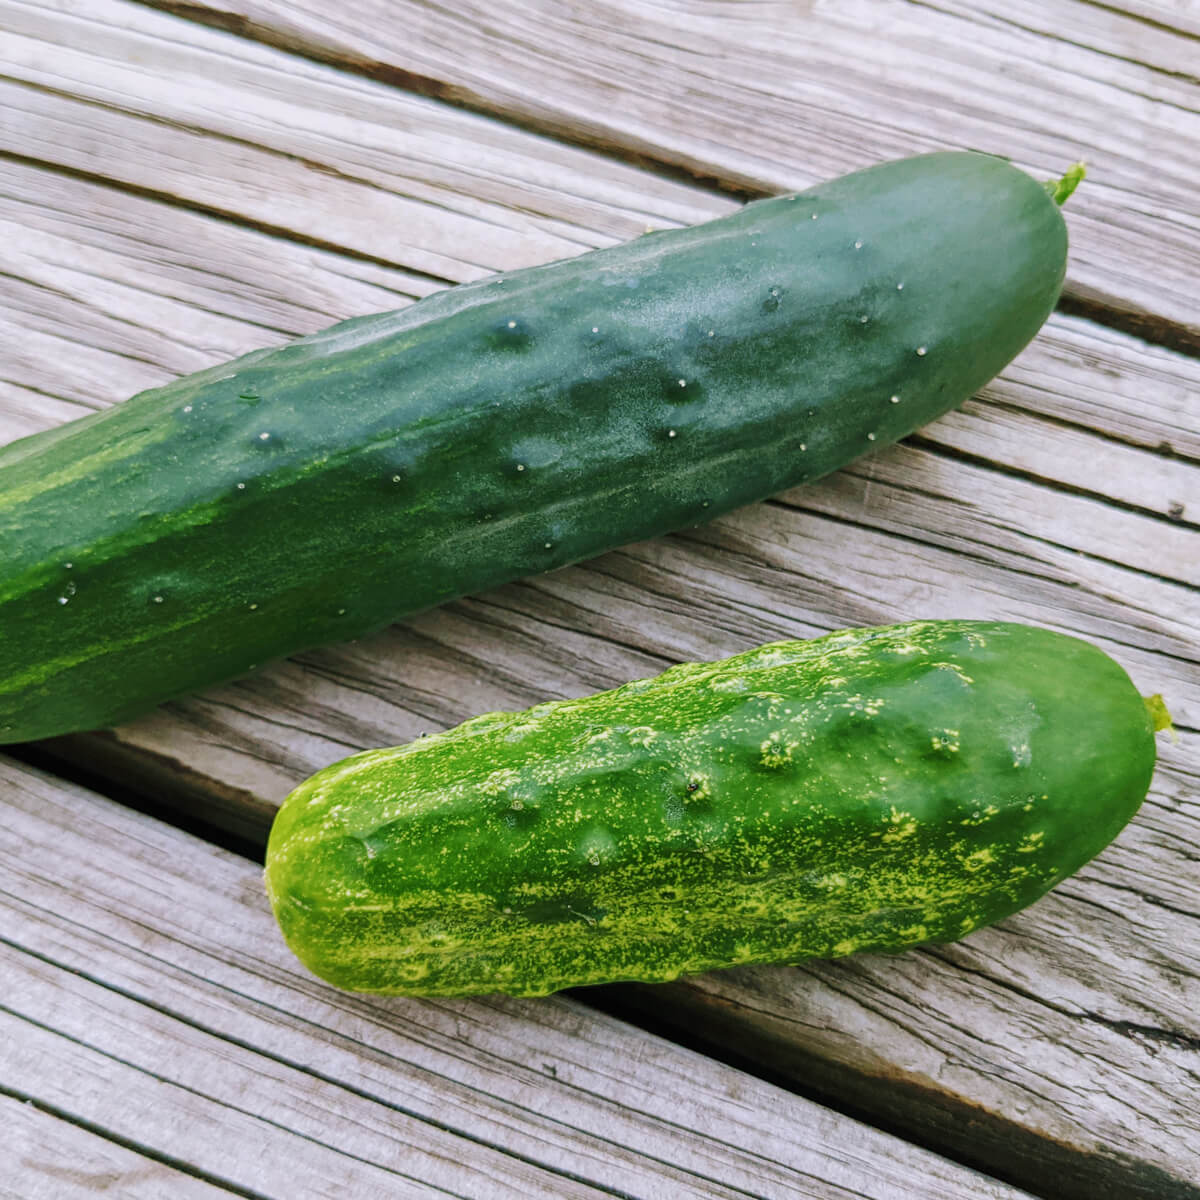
871	789
309	494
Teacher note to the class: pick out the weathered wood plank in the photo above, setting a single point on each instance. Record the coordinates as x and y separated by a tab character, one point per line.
1177	16
1151	35
887	539
203	1109
1110	383
237	128
48	1158
142	963
777	95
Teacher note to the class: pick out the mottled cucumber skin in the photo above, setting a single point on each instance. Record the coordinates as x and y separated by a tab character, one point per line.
310	494
872	789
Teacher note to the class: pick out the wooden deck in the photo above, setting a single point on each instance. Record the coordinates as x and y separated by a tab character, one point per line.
181	182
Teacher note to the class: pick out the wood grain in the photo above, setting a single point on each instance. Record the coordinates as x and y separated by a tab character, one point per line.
149	996
776	95
1059	1047
49	1158
223	124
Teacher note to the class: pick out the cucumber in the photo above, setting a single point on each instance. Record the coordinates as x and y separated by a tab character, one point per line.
872	789
312	493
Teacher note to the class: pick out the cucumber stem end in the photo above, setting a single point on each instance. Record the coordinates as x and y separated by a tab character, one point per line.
1060	189
1159	715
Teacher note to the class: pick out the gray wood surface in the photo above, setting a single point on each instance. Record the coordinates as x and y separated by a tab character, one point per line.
183	194
147	998
47	1157
775	95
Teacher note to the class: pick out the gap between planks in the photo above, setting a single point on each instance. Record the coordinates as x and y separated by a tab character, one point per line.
53	1155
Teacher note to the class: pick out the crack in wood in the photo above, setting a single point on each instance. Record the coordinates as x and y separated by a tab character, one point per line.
142	1150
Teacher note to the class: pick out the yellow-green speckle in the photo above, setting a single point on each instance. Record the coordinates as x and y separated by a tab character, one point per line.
901	825
979	859
776	750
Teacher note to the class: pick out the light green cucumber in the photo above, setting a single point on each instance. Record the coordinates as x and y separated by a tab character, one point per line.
872	789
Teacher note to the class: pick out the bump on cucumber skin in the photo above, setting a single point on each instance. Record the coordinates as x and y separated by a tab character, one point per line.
311	494
872	789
